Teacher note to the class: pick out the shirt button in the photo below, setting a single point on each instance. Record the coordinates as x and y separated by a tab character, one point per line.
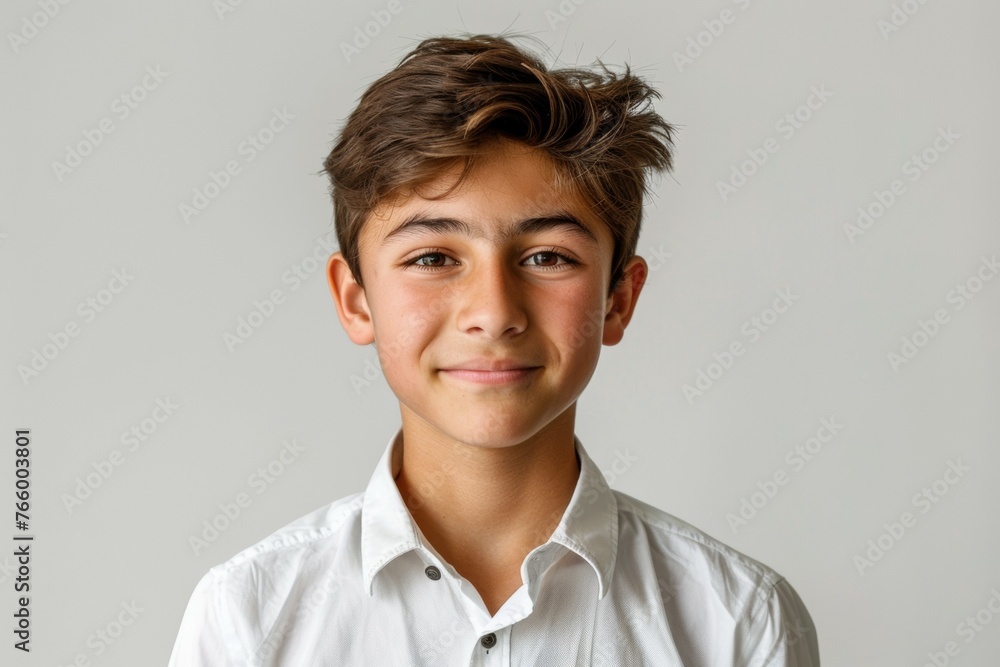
489	641
432	573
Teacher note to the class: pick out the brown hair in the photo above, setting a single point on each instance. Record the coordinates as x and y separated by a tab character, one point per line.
451	98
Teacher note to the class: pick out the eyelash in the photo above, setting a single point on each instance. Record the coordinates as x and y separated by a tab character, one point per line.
544	251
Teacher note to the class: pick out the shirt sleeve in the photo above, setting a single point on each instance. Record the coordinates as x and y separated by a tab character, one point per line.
206	637
781	632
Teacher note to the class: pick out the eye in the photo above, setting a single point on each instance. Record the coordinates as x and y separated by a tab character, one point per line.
550	253
435	260
434	255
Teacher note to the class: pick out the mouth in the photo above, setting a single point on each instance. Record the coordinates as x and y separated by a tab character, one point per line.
491	377
492	372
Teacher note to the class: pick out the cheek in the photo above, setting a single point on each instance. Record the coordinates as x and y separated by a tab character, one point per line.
418	309
405	321
579	319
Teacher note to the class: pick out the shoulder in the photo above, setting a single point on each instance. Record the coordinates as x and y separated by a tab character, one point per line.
706	583
236	605
331	525
322	544
677	540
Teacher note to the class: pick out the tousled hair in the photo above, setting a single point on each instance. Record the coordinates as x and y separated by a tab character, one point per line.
451	99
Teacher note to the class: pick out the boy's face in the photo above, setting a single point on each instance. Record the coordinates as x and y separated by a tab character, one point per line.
441	304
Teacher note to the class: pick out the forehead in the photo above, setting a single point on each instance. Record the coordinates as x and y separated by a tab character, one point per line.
514	189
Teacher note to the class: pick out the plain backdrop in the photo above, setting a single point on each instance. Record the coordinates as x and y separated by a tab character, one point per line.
842	154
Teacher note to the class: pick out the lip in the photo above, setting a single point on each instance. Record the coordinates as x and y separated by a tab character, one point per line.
491	371
492	365
508	376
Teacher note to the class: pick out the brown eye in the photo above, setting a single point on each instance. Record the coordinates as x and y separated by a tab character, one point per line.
434	262
550	254
433	255
547	255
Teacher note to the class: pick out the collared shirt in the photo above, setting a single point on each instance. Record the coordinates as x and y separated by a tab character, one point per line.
618	583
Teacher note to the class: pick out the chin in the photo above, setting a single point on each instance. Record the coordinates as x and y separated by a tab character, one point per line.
490	432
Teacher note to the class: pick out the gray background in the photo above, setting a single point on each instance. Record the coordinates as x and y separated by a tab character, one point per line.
715	265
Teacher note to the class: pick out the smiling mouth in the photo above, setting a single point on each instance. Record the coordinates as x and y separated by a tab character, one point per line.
509	376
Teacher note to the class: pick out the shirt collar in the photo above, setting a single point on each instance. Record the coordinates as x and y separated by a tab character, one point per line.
588	527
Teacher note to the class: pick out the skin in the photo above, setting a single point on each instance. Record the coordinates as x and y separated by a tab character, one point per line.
487	470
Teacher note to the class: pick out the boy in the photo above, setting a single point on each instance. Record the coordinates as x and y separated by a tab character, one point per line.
487	212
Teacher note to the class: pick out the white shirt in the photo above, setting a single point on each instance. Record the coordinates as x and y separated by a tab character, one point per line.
619	583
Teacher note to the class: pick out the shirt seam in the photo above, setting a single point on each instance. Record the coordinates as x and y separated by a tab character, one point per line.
298	536
762	600
276	544
268	547
764	574
232	648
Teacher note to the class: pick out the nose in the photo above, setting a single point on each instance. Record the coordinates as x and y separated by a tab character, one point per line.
492	300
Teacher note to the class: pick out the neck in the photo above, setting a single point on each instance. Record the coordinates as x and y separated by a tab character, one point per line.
484	508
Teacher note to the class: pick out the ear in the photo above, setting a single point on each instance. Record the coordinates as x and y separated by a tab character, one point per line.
351	301
622	300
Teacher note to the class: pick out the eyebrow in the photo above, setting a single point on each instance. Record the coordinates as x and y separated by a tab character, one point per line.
418	223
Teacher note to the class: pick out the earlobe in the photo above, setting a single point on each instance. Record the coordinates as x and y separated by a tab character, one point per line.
351	301
623	300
